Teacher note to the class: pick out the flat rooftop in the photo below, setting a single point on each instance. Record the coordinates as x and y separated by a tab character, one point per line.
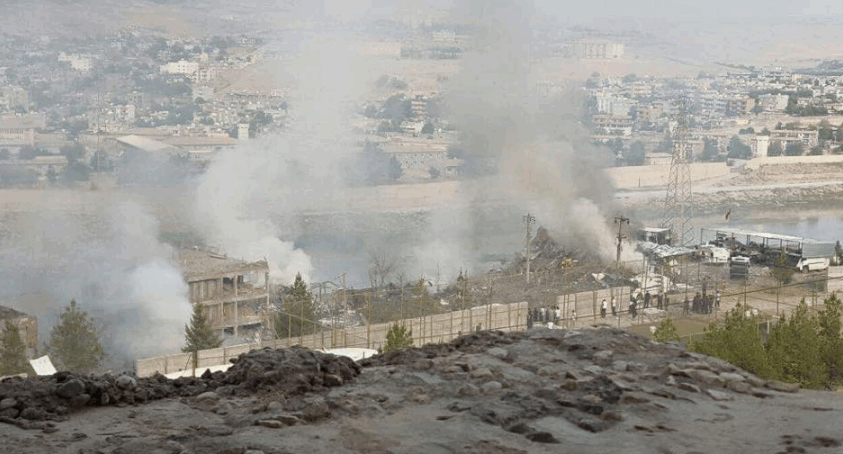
198	264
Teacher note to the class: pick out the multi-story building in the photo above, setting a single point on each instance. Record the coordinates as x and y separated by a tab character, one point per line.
180	67
773	103
597	48
77	62
19	130
786	137
417	154
234	292
614	124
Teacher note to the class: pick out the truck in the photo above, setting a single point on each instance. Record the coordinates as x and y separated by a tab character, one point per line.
807	264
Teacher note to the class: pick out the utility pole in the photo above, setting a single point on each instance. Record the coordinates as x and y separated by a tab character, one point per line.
620	220
528	222
344	294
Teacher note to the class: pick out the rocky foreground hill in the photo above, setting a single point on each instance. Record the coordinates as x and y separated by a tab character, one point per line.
592	391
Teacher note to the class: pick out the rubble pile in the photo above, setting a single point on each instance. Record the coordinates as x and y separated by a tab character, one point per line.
285	372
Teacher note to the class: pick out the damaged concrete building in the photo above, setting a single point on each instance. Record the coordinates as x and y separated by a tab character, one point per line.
27	326
234	292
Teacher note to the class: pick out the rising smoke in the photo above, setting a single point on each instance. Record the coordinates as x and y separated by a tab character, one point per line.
110	260
541	156
289	173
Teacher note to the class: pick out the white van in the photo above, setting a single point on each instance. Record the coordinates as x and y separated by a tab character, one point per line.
812	264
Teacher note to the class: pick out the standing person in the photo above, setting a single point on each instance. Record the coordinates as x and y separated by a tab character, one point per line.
614	307
647	298
547	316
660	301
529	319
603	307
558	314
686	306
574	317
717	300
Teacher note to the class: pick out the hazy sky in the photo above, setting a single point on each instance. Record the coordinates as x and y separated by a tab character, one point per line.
640	9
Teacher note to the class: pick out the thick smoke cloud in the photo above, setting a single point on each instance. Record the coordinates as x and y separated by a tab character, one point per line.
112	263
286	173
541	155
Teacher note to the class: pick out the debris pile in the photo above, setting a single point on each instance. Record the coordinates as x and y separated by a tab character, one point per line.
285	371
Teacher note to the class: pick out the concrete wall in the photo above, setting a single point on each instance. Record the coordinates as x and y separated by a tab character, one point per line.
835	279
756	163
633	177
436	328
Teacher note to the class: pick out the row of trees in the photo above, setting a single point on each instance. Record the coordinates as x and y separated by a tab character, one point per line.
804	348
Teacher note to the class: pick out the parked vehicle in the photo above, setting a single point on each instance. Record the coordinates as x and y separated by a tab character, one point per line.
812	264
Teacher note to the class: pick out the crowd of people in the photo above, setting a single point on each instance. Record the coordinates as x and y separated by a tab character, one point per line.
702	303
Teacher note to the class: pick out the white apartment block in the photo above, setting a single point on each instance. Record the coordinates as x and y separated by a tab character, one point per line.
180	67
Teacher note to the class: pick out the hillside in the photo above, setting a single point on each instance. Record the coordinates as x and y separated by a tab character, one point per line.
591	391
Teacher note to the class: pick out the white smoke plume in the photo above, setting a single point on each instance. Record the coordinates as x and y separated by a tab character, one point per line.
112	263
285	173
540	152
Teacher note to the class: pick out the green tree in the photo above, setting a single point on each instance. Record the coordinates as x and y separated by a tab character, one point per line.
73	153
198	335
637	154
738	341
775	149
794	149
52	176
398	337
75	341
297	311
831	343
781	271
395	171
666	331
794	349
738	149
710	150
12	350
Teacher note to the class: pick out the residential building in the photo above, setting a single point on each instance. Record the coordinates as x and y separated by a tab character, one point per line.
234	292
202	91
773	103
597	48
77	62
183	67
786	137
417	153
614	124
19	130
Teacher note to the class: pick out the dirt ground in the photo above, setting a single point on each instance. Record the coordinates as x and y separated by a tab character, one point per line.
592	391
